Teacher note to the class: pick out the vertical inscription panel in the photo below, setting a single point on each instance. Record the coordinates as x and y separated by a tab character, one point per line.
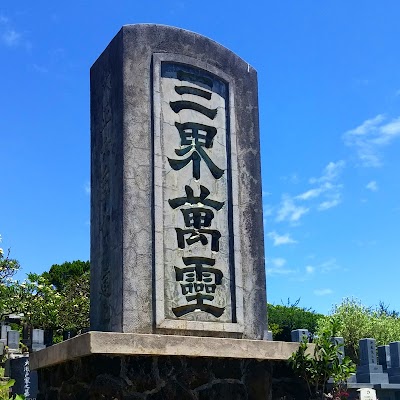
197	247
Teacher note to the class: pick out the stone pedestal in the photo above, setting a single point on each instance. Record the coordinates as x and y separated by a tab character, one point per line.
100	365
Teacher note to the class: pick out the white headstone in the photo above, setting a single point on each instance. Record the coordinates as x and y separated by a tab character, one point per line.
367	394
4	330
13	339
38	336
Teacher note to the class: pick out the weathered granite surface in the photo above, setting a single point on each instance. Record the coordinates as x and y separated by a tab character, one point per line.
122	164
133	344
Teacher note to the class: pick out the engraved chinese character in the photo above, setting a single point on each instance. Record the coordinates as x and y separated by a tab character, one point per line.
194	137
197	218
198	283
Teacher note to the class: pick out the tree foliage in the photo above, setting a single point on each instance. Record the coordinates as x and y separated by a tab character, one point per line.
60	274
8	266
357	321
282	319
75	300
34	298
56	299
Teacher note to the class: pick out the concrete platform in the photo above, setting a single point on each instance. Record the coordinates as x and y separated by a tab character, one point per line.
132	344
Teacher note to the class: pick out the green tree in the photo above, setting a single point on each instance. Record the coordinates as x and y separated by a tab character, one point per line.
75	301
8	266
357	321
60	274
35	298
282	319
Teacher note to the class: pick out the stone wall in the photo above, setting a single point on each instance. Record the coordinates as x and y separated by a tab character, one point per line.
169	378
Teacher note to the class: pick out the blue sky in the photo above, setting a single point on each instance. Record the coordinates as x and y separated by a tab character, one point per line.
329	96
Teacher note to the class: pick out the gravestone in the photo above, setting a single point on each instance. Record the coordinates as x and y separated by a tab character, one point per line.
339	341
384	357
394	370
369	371
176	210
13	340
27	335
268	335
367	394
48	337
26	381
1	348
38	340
4	330
297	335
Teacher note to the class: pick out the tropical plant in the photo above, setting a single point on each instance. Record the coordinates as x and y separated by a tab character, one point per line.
357	321
321	363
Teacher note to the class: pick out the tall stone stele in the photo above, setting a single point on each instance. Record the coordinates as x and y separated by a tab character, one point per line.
176	210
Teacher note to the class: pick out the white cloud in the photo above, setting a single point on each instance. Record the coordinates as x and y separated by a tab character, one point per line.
289	211
292	178
373	186
310	269
87	187
267	210
326	187
370	137
280	239
310	194
323	292
39	68
329	265
278	262
330	172
334	200
275	266
11	38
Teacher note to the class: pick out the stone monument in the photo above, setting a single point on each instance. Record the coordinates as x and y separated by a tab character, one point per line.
176	210
178	297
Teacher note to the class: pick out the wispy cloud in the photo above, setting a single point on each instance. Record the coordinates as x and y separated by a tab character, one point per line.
39	68
87	187
275	266
371	137
323	292
325	193
329	265
9	35
330	173
280	239
289	211
372	186
334	200
310	269
11	38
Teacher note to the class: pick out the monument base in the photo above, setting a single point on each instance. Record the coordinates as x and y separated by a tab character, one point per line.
100	365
